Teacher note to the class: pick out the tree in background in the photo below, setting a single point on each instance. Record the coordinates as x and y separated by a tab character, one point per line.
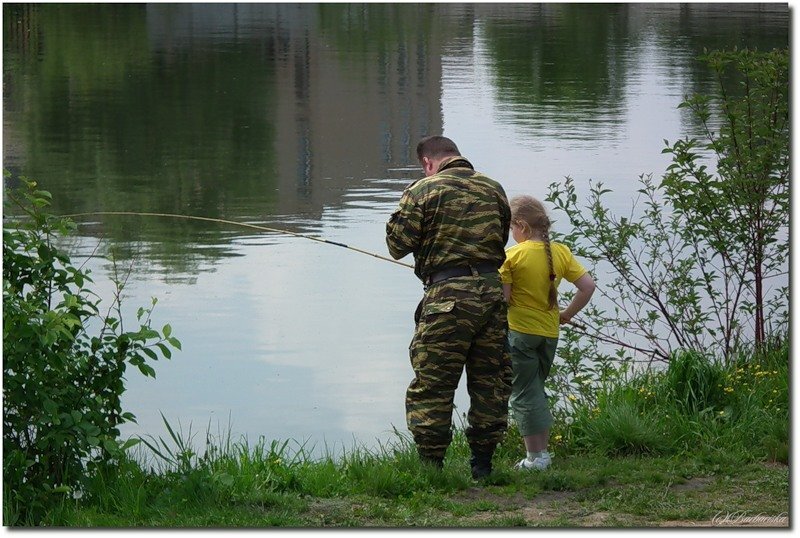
739	216
691	270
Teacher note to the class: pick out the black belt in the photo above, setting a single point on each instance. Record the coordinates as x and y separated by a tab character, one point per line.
464	270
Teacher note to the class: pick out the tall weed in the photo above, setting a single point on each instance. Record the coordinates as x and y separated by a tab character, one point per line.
694	381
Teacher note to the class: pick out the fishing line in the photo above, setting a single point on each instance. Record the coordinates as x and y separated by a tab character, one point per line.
256	227
243	224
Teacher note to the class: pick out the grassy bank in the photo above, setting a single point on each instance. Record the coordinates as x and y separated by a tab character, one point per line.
697	444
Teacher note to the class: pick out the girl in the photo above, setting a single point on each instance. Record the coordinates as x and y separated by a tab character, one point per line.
531	274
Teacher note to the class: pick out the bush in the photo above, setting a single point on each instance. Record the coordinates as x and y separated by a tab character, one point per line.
690	265
684	275
61	386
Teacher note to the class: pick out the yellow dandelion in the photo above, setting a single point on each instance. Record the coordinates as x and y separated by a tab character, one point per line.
572	397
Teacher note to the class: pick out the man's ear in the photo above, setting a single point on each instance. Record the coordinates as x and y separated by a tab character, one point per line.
426	164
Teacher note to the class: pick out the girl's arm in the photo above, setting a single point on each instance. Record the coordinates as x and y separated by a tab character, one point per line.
507	292
586	286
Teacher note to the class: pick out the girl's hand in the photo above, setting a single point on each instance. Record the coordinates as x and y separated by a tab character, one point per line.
563	317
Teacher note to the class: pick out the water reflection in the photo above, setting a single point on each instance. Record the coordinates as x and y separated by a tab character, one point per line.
305	117
215	110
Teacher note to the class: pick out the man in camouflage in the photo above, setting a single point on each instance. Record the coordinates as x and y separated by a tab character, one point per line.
456	223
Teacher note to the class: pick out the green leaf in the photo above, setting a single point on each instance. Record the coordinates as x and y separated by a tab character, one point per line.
111	446
130	443
148	334
165	350
50	406
147	370
150	353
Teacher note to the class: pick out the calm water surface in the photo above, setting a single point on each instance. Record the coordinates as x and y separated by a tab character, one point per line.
305	118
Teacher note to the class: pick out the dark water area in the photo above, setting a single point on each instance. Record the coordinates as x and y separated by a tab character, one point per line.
305	117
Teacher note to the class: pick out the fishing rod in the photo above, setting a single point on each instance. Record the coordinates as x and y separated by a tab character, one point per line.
243	224
255	227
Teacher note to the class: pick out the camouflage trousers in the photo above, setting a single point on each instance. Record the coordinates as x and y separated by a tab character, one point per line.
461	325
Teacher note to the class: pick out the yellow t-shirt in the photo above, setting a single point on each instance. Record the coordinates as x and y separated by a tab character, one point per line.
526	270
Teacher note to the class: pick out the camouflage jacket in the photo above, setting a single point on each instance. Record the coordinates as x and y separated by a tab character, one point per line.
454	217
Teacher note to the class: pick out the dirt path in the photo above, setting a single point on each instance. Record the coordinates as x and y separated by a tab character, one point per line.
562	509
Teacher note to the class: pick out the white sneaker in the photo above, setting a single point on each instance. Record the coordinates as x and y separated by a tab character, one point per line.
539	464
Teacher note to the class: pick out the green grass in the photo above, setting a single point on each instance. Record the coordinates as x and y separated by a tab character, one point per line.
664	448
636	491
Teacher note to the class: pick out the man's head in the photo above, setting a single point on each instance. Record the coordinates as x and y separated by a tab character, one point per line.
432	150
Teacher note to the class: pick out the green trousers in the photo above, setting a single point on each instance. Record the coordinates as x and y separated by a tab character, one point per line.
531	357
462	326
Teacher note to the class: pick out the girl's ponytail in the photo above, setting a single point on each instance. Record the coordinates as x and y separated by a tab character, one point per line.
530	213
552	296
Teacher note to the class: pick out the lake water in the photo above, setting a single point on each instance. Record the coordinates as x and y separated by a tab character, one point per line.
305	117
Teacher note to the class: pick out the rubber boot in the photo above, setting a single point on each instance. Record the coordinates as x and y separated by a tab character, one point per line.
481	465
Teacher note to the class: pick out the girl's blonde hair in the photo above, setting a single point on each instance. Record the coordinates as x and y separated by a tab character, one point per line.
529	213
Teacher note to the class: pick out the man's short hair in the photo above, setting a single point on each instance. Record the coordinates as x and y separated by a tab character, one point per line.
435	147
